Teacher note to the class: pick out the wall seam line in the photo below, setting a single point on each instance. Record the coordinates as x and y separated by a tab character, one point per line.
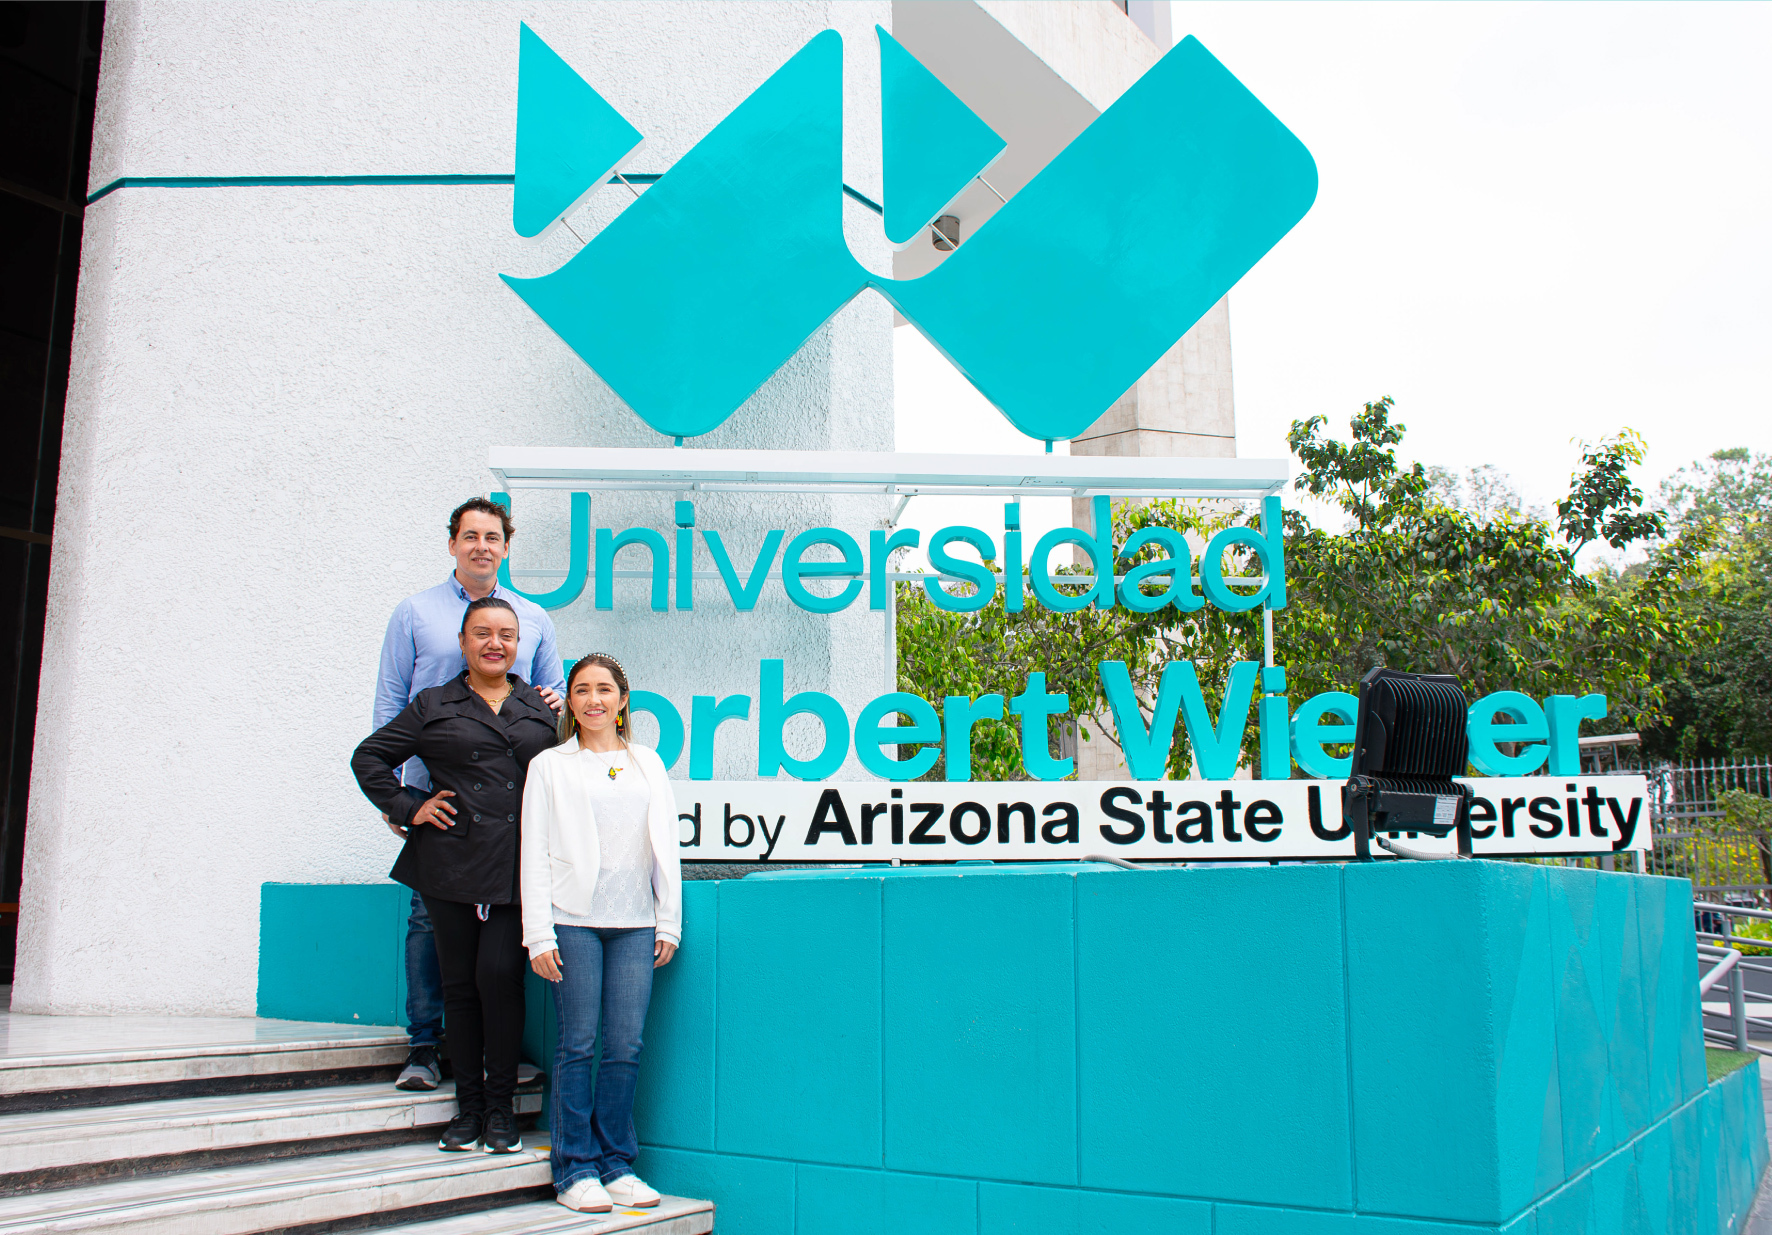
714	1046
1077	1029
882	1040
1347	1045
361	181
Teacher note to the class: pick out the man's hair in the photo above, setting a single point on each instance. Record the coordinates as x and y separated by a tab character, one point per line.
485	507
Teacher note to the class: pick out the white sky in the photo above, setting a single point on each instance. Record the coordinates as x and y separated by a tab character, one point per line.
1537	223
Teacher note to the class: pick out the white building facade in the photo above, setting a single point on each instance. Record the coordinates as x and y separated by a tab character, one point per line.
291	356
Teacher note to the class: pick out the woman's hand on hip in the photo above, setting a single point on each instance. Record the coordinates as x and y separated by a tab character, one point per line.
662	951
431	811
547	964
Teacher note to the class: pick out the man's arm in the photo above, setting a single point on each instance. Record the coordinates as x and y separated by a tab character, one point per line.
393	679
546	669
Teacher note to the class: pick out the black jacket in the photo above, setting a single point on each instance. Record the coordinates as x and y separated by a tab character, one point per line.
481	755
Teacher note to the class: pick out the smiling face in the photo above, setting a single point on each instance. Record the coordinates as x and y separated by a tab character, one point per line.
489	642
478	546
595	699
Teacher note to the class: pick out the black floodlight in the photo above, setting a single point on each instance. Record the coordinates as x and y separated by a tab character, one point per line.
1409	742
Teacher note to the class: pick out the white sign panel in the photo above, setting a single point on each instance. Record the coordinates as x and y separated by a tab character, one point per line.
1194	821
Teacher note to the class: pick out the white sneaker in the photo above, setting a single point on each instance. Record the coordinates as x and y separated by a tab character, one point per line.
633	1191
586	1196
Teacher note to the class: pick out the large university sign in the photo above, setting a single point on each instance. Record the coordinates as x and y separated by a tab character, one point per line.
706	283
690	299
1022	821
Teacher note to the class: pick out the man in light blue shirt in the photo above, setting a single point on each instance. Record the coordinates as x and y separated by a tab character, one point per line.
422	649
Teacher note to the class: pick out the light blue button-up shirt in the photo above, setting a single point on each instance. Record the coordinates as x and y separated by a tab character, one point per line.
422	649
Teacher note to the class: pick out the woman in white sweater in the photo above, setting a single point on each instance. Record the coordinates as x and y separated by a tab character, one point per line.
602	908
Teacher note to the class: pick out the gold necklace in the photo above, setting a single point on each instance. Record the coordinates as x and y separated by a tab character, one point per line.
612	769
493	703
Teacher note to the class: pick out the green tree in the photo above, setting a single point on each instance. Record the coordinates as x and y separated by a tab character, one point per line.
1719	688
1493	596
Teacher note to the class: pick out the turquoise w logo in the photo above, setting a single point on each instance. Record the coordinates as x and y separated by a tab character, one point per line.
705	286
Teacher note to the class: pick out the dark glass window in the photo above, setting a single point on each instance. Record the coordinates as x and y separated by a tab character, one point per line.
48	83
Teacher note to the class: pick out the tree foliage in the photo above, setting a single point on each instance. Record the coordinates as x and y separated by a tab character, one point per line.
1719	688
1494	598
1416	580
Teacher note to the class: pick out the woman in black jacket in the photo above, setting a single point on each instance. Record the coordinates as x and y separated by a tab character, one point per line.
477	735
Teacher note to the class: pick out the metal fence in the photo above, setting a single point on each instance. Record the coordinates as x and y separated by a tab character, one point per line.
1727	860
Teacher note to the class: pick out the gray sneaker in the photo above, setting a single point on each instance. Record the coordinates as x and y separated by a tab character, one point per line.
423	1070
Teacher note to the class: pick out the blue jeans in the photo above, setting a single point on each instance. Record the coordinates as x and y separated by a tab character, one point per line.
424	980
605	981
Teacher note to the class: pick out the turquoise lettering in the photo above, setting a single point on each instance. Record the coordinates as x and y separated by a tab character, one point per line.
772	717
945	563
793	570
872	734
705	715
744	598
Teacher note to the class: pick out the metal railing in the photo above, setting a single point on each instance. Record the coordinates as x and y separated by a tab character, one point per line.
1733	966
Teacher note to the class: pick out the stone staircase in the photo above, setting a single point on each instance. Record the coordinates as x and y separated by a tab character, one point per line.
284	1128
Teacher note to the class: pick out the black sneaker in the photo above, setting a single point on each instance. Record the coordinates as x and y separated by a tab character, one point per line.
502	1136
462	1135
423	1070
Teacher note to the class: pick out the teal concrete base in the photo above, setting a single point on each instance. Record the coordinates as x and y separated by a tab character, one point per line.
337	952
333	952
1378	1049
1383	1049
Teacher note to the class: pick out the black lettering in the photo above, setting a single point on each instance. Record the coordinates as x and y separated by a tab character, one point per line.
1259	813
780	827
1487	816
1627	826
1593	801
1314	798
1158	806
869	812
1227	809
984	823
695	818
1508	808
1110	807
1006	809
750	830
1574	815
830	816
1545	809
1064	830
931	812
897	822
1193	823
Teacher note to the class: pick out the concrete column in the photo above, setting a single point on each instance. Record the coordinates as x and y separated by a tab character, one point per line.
1181	407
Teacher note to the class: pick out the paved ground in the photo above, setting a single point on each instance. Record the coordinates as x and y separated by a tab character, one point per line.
1759	1219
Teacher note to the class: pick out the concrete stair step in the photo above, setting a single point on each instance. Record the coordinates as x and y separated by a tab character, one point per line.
402	1182
50	1061
53	1148
674	1215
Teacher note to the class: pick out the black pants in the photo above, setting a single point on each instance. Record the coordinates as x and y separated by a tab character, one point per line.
483	965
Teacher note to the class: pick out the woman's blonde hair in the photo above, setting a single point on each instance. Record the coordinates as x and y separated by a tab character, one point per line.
624	724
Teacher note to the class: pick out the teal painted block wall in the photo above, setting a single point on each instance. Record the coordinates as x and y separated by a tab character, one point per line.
1433	1049
336	952
1436	1049
332	952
